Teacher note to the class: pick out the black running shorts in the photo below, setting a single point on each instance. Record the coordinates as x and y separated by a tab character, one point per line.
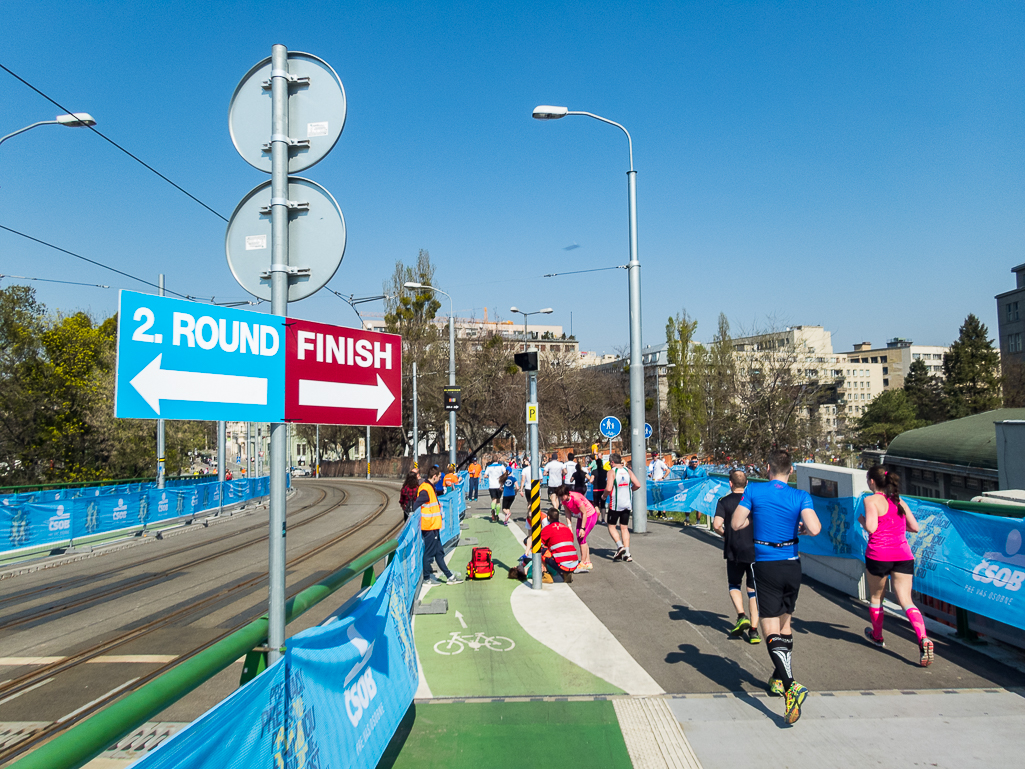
777	583
495	493
736	571
616	517
507	502
599	499
886	568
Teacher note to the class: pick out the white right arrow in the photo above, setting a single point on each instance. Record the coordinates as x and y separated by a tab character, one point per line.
313	392
155	384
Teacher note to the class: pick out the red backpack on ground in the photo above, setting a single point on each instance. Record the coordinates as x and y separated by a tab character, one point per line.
480	565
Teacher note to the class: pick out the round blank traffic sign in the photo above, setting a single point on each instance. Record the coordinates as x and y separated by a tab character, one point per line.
316	112
316	239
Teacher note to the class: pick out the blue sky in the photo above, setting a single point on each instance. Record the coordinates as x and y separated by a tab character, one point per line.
854	165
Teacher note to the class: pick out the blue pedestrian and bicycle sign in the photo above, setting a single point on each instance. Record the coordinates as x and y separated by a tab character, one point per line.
610	427
647	431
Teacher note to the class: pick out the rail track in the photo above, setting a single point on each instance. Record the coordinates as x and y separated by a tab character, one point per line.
44	672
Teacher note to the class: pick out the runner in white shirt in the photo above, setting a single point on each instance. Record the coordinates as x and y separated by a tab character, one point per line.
620	486
493	474
554	470
657	468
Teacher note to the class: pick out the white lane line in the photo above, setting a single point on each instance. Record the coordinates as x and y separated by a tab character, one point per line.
19	661
653	736
5	700
87	705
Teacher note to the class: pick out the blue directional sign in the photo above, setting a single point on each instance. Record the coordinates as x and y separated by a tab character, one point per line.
647	431
610	427
186	360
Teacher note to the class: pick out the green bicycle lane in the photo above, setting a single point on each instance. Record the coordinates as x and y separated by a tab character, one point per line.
500	733
455	669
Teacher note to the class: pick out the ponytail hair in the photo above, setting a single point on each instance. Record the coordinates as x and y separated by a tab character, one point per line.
888	482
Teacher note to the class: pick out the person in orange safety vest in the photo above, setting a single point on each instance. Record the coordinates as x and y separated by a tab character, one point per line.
430	529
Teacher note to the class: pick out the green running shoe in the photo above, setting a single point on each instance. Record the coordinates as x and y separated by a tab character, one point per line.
795	697
743	623
776	687
753	637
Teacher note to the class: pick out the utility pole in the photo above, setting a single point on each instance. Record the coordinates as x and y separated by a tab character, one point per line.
221	441
160	422
316	471
535	488
416	430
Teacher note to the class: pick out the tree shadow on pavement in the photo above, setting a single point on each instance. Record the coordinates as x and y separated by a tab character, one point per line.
708	619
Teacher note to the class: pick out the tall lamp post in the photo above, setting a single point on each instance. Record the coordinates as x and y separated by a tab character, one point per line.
640	497
77	120
451	363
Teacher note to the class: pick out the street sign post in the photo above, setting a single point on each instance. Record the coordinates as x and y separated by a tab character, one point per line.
185	360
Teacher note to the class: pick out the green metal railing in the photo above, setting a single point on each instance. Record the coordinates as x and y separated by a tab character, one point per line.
92	736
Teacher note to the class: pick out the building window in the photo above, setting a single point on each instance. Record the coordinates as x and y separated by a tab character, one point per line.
1014	342
555	348
875	360
882	359
886	370
1012	311
886	383
971	483
916	356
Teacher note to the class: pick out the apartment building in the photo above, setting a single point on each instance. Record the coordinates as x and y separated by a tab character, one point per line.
549	339
896	359
1011	320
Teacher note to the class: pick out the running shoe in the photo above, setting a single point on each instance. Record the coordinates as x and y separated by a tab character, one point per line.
455	579
580	569
627	558
795	698
743	623
434	580
588	565
620	551
776	687
876	642
753	637
926	649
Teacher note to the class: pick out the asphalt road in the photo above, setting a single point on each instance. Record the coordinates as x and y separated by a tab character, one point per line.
71	607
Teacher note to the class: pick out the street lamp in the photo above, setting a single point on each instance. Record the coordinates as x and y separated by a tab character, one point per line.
451	363
76	120
637	448
545	311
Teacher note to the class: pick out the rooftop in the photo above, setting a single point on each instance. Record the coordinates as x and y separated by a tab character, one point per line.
969	442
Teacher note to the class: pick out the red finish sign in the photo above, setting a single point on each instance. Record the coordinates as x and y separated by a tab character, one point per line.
342	376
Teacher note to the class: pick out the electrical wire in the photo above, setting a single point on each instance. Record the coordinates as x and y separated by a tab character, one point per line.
537	277
108	139
51	280
92	261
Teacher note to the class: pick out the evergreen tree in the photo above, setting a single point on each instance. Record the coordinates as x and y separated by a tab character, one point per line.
972	381
684	380
925	393
886	417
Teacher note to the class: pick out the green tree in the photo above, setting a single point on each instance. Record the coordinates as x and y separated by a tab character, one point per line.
925	393
684	377
886	417
971	372
718	392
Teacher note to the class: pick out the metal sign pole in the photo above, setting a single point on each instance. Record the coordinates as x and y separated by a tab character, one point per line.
221	440
368	452
416	432
535	489
160	422
316	471
279	306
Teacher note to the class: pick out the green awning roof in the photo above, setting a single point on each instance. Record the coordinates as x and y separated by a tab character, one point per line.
970	441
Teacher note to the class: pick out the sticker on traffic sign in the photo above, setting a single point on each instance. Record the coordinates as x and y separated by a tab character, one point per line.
342	376
185	360
531	413
647	431
610	427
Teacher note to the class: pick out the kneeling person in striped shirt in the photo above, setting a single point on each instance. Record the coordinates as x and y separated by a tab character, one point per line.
558	538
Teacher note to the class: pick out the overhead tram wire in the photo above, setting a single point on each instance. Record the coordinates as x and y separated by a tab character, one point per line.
51	280
535	277
111	141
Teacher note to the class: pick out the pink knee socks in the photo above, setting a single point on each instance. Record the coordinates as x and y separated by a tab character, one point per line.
915	618
876	613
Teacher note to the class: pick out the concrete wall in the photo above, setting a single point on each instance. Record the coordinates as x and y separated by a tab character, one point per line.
844	574
1011	454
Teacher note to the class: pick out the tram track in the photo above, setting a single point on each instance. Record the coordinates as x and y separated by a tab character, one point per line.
91	597
48	671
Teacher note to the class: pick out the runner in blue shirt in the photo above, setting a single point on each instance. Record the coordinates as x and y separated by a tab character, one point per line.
693	470
779	514
508	494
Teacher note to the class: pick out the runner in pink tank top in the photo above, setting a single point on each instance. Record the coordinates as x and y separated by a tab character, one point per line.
887	520
577	505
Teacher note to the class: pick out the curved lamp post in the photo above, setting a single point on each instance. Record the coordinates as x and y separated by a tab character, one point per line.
451	363
76	120
637	447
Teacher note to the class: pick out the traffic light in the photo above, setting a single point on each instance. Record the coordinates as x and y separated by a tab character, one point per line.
527	361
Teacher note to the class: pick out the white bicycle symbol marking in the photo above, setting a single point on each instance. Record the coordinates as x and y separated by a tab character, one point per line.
456	643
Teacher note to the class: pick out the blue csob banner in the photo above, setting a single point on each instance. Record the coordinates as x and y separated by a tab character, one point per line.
334	699
973	561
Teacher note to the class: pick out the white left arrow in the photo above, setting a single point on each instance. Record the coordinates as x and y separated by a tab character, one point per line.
155	384
313	392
